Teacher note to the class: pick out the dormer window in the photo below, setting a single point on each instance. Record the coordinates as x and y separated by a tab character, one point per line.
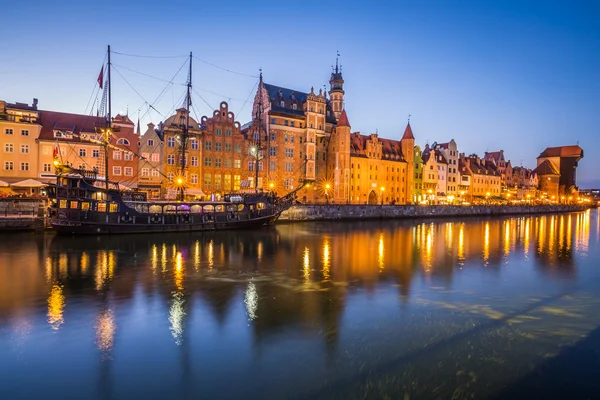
294	106
282	103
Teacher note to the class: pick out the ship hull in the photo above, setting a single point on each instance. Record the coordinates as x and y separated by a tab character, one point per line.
66	227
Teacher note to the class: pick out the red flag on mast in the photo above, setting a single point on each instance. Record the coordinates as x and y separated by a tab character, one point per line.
101	77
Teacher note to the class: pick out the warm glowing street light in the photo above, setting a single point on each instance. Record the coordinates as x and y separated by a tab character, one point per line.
253	149
271	185
179	181
382	190
327	186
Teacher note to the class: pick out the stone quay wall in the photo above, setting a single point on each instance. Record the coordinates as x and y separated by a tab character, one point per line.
340	212
21	215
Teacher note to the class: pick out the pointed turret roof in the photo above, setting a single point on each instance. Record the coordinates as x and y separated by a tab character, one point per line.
343	120
408	134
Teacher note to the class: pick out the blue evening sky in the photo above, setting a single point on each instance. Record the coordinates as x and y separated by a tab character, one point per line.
513	75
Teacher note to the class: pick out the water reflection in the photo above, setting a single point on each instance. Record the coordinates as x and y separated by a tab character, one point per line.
290	280
56	305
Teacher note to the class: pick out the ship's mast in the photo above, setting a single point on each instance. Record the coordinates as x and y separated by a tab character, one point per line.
107	130
185	132
259	115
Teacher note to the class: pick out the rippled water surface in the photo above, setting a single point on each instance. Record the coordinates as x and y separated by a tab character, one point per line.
473	308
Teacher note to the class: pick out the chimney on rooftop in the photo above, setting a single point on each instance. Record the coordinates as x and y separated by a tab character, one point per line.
35	103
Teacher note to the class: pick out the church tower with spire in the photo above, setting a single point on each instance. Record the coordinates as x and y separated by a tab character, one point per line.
407	144
336	91
338	160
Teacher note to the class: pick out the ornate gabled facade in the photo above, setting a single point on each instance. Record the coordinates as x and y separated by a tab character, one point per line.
151	169
293	129
382	170
172	128
124	162
504	166
450	152
223	153
485	181
418	194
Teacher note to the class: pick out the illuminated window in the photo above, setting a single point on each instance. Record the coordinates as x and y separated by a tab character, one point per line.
114	207
74	204
237	164
85	206
62	204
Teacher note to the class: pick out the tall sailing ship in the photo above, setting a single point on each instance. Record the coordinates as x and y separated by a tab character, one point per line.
82	202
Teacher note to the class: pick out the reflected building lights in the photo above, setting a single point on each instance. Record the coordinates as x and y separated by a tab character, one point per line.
461	244
163	258
506	238
326	259
154	258
84	262
551	237
63	263
486	243
56	306
429	248
251	301
259	250
526	239
306	263
211	254
178	271
197	255
48	266
380	253
176	315
105	331
449	235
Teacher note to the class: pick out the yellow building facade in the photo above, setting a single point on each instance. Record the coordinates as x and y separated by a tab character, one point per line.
19	131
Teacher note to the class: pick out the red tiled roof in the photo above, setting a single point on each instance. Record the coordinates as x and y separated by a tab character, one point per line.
546	168
343	121
408	134
562	151
494	155
73	123
390	149
123	119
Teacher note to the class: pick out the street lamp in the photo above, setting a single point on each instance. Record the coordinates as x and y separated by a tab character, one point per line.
271	185
430	196
327	193
382	190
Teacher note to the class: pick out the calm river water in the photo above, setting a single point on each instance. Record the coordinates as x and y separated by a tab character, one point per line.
439	309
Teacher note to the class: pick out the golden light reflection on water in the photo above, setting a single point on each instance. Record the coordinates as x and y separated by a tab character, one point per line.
154	258
63	264
176	317
56	306
197	255
259	251
211	254
380	253
178	271
486	243
105	331
526	239
506	238
84	262
461	243
48	268
326	258
163	258
582	232
429	248
306	264
105	268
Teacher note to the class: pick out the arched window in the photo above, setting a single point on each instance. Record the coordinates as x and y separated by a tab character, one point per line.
124	142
